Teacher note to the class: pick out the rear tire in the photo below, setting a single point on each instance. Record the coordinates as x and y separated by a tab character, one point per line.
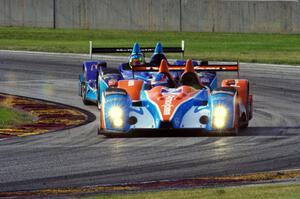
83	94
235	131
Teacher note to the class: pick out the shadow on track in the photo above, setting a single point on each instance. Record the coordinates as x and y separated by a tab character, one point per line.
271	131
250	131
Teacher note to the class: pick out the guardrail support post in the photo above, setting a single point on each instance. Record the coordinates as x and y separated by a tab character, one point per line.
91	48
182	48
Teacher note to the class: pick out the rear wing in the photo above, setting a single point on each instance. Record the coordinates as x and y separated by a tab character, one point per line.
206	67
129	50
199	68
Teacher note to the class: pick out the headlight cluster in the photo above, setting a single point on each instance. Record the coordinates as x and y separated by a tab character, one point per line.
115	115
220	116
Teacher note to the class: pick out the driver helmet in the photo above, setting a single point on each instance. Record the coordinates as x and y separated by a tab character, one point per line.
136	60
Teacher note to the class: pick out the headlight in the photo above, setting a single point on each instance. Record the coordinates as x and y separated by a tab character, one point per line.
220	116
115	115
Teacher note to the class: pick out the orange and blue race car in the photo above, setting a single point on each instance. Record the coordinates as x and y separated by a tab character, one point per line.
176	103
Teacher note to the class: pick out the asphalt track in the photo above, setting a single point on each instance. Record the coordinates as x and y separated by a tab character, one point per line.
78	157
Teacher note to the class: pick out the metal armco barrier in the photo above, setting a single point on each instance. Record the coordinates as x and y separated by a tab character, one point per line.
281	16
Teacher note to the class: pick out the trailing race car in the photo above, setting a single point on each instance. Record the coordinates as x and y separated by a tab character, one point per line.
131	105
96	76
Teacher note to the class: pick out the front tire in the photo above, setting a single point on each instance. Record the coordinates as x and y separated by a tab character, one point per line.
234	132
98	101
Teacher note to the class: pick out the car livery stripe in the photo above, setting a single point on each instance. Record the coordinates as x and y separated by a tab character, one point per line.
188	99
167	100
155	105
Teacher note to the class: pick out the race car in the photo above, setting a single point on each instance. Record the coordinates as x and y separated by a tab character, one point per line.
130	106
96	76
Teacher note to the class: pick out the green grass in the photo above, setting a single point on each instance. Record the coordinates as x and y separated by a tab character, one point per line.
267	48
257	192
12	118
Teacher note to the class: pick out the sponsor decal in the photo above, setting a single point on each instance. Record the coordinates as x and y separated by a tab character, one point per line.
131	83
170	91
205	80
168	105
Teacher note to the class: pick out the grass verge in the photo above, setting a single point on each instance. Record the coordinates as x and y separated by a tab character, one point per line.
247	47
257	192
11	118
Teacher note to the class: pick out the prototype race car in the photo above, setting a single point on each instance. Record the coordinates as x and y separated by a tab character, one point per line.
96	76
189	103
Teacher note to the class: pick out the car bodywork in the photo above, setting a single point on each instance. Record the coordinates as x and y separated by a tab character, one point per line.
131	105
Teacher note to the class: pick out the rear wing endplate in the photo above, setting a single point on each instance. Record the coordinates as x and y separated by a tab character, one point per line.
129	50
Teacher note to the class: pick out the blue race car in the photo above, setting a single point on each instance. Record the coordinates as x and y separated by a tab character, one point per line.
96	76
188	104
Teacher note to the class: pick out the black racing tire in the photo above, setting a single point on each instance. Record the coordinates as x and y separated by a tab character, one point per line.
234	132
80	89
245	125
244	122
83	94
98	101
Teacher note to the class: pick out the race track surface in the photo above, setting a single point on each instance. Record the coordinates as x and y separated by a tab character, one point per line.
78	157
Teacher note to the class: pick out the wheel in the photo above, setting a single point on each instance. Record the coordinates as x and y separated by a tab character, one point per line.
245	125
98	101
234	131
83	94
99	132
80	90
244	122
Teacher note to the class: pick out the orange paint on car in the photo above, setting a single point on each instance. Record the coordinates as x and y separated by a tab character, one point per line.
170	99
133	88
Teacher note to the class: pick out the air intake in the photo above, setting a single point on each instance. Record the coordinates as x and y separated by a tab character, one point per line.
166	125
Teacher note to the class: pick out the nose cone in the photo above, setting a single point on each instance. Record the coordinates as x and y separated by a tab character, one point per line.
163	68
158	48
136	49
